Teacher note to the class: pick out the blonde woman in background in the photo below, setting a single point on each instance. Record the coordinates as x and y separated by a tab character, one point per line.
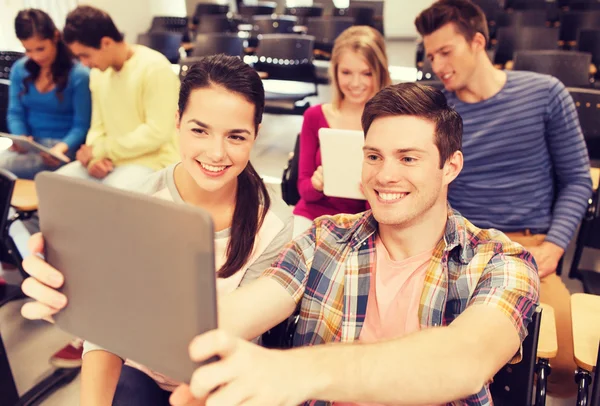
358	70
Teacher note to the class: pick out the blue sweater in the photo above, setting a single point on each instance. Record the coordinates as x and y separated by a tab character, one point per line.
43	115
526	162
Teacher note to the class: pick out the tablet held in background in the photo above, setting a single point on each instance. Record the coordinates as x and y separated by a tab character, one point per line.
342	157
30	145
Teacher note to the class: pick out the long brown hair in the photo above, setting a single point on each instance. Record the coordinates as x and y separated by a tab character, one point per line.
252	198
36	23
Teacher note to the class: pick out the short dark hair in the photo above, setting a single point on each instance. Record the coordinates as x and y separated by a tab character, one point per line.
88	25
412	99
468	18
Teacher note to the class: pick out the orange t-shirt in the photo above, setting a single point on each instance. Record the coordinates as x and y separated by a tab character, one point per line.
394	297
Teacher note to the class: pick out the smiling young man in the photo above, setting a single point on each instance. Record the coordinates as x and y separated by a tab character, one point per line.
526	168
134	100
426	306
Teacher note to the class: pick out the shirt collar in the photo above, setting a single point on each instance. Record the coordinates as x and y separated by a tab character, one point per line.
455	235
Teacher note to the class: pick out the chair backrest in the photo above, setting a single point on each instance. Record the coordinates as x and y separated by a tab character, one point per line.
584	5
203	9
177	25
361	15
167	43
4	89
170	24
289	180
261	8
218	43
286	57
589	41
7	185
513	384
208	24
491	8
587	102
275	24
570	67
526	4
7	59
571	22
513	39
302	13
327	29
522	18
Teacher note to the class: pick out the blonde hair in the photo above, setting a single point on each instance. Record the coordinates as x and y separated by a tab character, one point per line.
369	43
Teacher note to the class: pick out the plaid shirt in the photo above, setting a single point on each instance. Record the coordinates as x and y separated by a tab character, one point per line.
327	270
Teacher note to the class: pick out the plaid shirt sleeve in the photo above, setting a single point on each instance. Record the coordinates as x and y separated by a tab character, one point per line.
509	282
291	268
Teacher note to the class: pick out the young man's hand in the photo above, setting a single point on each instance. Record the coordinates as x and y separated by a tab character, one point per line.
84	155
546	256
245	374
101	168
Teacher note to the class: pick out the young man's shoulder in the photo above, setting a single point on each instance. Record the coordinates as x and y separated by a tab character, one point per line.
150	55
532	80
489	241
339	226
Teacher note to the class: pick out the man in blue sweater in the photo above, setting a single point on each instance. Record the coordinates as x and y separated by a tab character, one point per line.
526	169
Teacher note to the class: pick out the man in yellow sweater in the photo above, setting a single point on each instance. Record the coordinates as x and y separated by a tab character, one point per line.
134	100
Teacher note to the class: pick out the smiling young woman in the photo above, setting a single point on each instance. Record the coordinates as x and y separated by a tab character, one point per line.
358	70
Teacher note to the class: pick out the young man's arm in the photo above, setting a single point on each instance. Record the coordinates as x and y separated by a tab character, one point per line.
99	377
437	365
159	105
432	366
572	169
97	132
251	310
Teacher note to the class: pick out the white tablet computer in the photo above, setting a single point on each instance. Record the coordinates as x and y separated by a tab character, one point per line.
342	157
30	145
139	270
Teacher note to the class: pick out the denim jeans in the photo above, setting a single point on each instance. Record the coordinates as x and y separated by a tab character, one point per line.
26	166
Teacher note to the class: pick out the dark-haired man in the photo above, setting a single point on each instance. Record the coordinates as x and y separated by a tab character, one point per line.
526	167
423	306
134	100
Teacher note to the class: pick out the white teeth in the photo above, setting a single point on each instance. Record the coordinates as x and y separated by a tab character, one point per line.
391	196
447	76
212	168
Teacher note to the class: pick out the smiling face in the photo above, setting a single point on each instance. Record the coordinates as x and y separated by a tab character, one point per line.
401	175
217	132
453	59
41	51
355	78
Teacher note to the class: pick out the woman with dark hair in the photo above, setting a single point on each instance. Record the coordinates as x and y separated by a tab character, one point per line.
221	102
49	97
